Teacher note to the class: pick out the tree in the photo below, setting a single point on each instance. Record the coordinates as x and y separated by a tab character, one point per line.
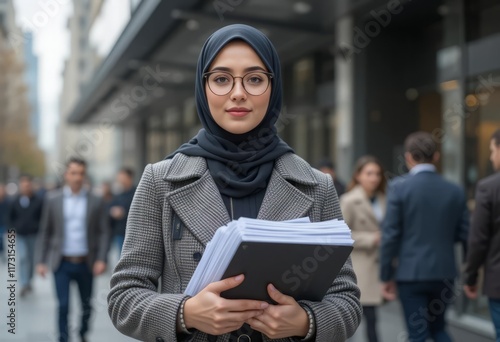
19	151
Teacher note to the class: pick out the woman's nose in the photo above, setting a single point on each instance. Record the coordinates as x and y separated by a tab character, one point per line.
238	92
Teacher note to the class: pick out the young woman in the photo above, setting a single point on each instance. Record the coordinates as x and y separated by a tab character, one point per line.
235	166
363	207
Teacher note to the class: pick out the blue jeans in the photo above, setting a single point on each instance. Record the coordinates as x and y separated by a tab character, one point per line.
118	239
82	275
370	314
495	315
424	305
26	252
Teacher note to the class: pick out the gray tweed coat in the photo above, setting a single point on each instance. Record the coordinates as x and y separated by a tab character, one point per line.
142	308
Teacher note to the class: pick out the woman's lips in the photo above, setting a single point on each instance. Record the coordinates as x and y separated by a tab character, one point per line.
239	112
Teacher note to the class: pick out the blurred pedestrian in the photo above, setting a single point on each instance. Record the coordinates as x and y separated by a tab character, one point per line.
235	166
327	166
363	207
484	238
120	206
4	206
73	243
106	192
425	216
24	214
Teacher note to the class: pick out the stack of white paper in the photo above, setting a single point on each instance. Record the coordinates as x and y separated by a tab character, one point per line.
221	249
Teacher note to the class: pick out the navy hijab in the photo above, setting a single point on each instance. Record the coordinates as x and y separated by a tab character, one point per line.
241	164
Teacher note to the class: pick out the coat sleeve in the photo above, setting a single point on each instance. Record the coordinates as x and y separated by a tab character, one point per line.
134	304
480	234
391	233
338	315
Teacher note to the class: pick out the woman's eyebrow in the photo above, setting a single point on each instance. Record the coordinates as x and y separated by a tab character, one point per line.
252	68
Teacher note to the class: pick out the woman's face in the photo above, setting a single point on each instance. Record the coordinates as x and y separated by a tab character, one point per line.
370	177
238	112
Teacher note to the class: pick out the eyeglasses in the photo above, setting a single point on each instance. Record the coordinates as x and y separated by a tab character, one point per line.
255	82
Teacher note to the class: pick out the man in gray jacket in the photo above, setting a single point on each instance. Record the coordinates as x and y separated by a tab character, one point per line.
484	238
73	243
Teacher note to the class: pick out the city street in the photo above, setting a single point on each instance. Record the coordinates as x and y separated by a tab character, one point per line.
36	316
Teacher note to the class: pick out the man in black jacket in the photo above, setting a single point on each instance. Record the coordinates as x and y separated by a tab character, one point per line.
120	205
484	238
24	216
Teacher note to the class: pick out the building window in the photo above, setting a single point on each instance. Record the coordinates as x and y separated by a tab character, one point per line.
482	18
303	81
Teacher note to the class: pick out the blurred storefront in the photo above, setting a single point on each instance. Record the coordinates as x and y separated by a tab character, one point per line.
359	77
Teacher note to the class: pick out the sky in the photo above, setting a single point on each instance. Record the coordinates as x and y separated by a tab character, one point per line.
47	20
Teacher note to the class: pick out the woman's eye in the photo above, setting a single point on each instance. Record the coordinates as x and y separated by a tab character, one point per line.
221	79
254	79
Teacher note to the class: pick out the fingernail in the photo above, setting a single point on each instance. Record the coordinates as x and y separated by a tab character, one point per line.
271	287
264	305
239	278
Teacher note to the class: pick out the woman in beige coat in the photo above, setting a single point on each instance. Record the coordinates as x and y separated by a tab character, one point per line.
363	207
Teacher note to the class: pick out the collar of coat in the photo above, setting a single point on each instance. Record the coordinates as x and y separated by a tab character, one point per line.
283	199
289	166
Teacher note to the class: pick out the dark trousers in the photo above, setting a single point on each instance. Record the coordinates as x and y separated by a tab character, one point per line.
424	305
371	323
80	273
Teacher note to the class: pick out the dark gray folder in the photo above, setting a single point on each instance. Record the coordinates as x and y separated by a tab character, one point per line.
303	271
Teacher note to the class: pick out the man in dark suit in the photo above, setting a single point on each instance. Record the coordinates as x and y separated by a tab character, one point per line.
425	216
484	238
73	242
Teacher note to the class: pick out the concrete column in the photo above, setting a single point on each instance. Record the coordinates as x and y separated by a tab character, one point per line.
344	99
451	77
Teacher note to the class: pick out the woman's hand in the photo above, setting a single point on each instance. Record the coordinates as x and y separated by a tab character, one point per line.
213	315
286	319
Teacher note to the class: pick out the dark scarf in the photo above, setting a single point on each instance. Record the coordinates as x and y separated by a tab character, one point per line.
241	164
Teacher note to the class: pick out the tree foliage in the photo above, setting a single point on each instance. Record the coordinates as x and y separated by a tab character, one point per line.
19	152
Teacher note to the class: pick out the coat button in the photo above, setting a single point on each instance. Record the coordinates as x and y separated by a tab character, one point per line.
159	339
197	256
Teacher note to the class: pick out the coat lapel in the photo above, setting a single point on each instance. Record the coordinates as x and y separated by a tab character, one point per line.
284	201
198	204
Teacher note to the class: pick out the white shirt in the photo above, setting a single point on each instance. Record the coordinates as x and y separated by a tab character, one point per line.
421	168
377	210
24	201
75	223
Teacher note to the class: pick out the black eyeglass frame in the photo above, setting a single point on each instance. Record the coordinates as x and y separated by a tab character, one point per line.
270	76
